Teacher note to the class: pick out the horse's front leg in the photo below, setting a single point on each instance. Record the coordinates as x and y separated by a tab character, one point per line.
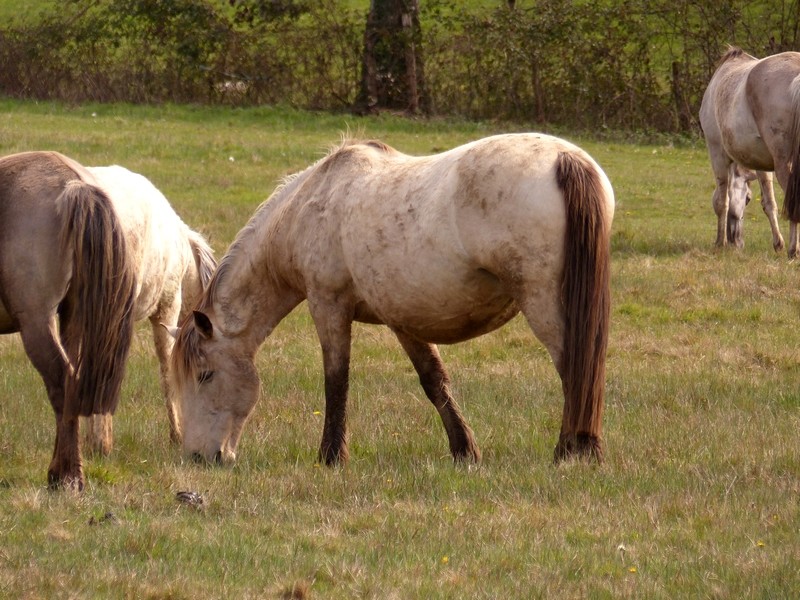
770	207
720	202
334	325
436	383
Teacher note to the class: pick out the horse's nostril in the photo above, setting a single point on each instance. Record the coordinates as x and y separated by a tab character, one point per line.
197	458
218	457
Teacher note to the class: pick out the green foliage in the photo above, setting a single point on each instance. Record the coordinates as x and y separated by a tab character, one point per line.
634	65
697	498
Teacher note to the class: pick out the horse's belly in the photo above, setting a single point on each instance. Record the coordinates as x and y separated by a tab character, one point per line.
450	329
748	149
442	310
742	140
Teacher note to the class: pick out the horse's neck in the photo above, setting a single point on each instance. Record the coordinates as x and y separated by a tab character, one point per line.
247	294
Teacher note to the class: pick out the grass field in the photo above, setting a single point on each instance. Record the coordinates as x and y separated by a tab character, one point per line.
698	497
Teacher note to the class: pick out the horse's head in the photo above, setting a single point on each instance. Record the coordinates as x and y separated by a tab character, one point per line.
739	196
218	386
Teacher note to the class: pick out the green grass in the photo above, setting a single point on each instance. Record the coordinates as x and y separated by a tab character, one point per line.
698	497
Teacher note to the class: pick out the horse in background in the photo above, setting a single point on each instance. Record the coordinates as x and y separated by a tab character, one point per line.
440	249
83	254
750	115
172	263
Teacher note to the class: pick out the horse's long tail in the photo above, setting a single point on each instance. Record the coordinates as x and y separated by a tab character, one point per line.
98	312
791	199
586	296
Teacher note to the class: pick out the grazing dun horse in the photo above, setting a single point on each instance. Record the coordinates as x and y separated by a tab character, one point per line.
83	253
440	249
750	115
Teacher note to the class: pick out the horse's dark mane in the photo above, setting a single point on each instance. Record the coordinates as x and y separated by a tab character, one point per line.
379	145
204	258
185	353
731	53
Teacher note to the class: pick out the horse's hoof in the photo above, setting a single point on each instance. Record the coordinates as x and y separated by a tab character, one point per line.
581	446
470	454
58	481
332	457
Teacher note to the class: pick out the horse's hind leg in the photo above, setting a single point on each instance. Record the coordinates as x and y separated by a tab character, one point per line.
44	350
436	383
65	467
543	311
770	208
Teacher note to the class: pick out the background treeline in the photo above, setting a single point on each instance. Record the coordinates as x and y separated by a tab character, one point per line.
637	65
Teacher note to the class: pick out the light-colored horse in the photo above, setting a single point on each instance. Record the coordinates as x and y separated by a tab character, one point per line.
749	116
84	252
173	264
440	249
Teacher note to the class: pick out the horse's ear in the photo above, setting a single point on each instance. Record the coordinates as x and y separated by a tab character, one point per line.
173	331
203	324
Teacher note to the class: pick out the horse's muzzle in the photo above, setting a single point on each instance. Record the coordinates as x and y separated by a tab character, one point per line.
198	458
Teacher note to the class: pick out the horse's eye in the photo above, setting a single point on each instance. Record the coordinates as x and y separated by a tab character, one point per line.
205	377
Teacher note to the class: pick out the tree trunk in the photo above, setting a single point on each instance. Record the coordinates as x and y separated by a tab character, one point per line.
392	74
681	105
